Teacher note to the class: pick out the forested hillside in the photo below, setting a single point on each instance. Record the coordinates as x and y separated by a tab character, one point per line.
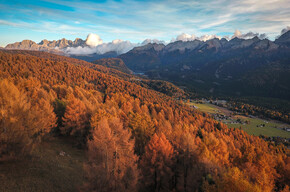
114	63
160	86
134	138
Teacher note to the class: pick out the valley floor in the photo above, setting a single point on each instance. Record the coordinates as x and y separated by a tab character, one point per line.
252	125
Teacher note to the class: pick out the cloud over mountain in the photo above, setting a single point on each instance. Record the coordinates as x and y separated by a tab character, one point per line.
146	41
248	35
118	46
96	45
187	37
94	40
285	30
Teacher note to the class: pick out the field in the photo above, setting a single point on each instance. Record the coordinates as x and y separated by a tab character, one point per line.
205	107
254	126
270	129
48	169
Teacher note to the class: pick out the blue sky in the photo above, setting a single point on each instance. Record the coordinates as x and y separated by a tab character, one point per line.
136	20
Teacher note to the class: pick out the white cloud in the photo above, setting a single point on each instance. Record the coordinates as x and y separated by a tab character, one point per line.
237	33
208	37
79	50
165	17
96	45
117	45
187	37
146	41
94	40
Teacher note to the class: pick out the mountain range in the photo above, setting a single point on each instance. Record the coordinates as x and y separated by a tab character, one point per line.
90	49
221	67
45	45
238	67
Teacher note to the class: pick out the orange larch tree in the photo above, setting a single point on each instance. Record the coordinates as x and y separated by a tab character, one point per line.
76	120
156	164
112	164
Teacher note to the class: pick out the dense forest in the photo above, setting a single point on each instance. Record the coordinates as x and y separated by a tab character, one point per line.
135	138
114	63
263	107
157	85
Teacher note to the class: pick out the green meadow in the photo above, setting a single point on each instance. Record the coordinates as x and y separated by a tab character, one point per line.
253	127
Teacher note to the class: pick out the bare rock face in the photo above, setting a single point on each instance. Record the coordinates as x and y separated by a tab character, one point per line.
214	43
150	46
25	44
182	46
78	42
44	42
46	45
249	42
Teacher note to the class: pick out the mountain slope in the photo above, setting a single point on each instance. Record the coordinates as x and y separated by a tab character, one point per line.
195	151
239	67
143	58
162	86
113	63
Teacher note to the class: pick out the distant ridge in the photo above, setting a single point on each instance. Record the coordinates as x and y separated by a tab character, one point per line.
249	67
58	46
46	45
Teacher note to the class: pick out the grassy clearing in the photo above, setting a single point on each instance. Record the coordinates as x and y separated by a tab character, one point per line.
271	127
205	107
46	170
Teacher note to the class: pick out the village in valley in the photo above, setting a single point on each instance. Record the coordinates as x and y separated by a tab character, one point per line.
266	128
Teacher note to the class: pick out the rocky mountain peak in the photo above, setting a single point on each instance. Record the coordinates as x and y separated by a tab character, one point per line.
78	42
284	39
182	45
154	46
214	43
25	44
44	42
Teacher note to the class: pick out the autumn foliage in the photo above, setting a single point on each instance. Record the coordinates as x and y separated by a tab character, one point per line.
157	163
112	164
136	139
23	122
